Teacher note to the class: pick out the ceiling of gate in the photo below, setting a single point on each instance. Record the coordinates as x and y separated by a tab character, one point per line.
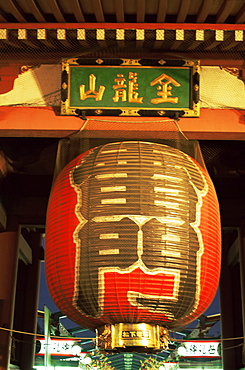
120	11
46	31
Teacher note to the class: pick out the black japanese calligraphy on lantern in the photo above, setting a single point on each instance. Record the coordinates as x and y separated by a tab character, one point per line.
125	191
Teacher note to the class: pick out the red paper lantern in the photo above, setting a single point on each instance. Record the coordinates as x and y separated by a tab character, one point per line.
133	238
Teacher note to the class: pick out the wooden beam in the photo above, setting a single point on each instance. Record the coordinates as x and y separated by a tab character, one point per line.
98	11
119	9
25	252
162	11
3	16
15	9
36	11
77	10
146	26
57	11
213	124
140	11
224	11
240	18
203	11
3	218
183	11
54	57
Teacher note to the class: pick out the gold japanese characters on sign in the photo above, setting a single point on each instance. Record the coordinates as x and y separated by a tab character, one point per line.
135	334
129	88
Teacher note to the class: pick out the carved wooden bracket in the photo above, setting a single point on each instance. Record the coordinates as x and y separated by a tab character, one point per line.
238	72
8	74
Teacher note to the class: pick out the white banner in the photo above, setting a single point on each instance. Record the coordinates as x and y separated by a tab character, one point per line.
200	349
62	347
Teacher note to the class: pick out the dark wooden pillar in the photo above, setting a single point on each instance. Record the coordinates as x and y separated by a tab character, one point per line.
8	274
242	278
27	302
230	302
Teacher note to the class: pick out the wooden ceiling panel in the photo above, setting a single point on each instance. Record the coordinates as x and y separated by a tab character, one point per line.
56	11
203	11
16	11
225	11
3	17
121	11
140	11
77	11
240	16
95	18
183	11
119	8
162	11
98	11
37	11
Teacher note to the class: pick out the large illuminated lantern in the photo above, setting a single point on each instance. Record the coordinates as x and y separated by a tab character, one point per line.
133	242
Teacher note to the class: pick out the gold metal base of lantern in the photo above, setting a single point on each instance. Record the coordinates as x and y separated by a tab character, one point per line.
132	337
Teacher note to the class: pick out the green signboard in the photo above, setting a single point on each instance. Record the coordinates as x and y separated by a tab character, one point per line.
130	87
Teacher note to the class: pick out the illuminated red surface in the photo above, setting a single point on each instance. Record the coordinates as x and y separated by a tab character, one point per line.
115	307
